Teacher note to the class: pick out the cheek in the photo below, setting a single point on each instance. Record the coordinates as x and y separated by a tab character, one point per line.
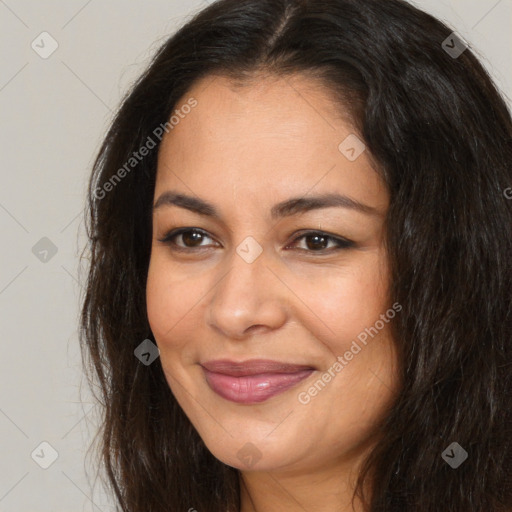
166	300
343	302
176	299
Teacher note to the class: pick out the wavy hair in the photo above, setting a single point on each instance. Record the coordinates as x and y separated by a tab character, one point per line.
441	135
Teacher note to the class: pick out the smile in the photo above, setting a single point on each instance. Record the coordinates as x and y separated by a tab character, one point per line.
253	381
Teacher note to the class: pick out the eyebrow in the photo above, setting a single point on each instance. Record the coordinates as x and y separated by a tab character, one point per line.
292	206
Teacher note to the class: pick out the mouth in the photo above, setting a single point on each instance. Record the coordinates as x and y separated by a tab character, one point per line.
253	381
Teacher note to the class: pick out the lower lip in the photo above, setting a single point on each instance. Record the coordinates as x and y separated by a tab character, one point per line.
254	388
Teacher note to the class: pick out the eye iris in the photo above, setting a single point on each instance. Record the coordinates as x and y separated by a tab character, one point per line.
316	244
193	236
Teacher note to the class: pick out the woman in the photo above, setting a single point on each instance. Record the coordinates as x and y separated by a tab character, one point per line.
299	294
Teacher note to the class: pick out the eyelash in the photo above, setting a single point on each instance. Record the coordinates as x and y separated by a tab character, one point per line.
342	243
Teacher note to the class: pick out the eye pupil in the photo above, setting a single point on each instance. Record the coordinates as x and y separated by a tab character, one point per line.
194	236
316	244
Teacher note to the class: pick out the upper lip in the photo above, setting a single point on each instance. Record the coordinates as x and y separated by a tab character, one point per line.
252	367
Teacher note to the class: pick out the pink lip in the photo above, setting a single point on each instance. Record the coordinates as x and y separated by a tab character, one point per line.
252	381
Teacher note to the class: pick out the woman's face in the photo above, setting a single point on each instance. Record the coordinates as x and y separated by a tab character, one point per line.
303	284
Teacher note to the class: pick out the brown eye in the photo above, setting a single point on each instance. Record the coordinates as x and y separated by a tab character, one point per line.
314	242
190	237
317	241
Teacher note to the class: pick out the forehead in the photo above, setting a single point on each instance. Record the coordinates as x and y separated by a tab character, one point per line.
270	137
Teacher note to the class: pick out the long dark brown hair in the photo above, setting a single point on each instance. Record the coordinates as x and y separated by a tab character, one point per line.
441	135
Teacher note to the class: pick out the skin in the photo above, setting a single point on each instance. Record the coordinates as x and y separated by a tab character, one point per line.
243	149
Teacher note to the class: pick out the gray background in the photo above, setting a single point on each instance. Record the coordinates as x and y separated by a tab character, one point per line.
54	112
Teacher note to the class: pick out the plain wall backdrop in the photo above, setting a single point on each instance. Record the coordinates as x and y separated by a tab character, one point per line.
55	109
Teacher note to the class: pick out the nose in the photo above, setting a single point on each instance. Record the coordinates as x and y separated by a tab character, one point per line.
247	299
